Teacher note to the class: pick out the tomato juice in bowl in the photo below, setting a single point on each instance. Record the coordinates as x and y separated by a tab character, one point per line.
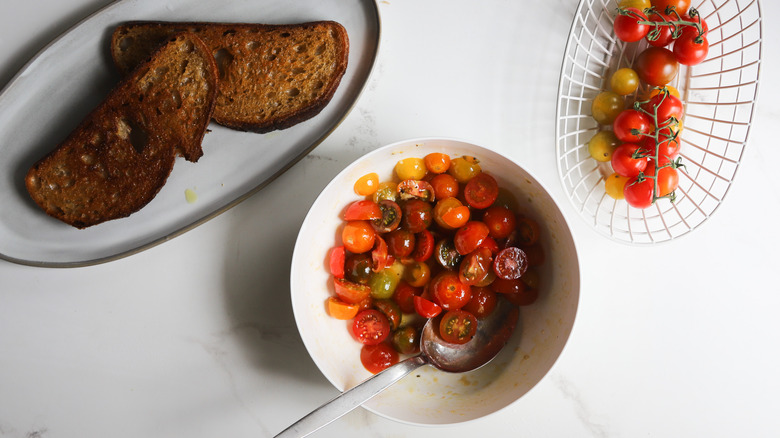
429	396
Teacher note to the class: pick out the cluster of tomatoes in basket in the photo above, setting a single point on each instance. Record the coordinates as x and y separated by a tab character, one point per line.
442	238
643	144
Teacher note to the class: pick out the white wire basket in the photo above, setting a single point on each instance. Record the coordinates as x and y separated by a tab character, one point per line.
718	95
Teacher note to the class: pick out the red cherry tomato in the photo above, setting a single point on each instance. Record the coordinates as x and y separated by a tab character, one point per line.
458	326
426	308
481	191
446	254
500	221
628	27
400	243
691	48
697	20
350	292
510	263
413	189
391	310
390	219
527	231
416	215
665	107
483	301
449	292
490	244
639	194
476	266
506	287
470	236
364	210
630	126
667	148
370	327
667	178
524	297
681	6
629	159
423	246
657	66
376	358
336	261
659	36
404	295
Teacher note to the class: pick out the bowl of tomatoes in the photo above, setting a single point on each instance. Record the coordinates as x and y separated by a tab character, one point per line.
425	228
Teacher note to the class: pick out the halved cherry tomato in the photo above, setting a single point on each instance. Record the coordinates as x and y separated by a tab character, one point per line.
423	246
379	254
391	310
390	219
483	301
376	358
417	274
400	243
367	184
437	162
363	210
510	263
449	291
464	168
336	261
499	220
457	326
481	191
358	236
404	295
527	231
416	215
629	159
470	236
444	186
476	266
370	327
446	254
491	244
426	308
350	292
357	268
631	126
416	189
508	286
410	168
341	310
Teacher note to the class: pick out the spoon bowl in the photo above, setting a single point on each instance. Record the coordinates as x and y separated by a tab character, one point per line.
493	332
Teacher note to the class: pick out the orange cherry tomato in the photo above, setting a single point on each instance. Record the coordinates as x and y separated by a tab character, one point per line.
437	162
358	236
367	184
341	310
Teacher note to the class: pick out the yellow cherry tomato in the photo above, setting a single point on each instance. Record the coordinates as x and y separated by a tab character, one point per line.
602	145
410	168
639	4
624	81
606	107
614	185
386	190
464	168
673	91
367	184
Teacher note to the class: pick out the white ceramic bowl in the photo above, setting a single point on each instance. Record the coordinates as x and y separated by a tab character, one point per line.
429	396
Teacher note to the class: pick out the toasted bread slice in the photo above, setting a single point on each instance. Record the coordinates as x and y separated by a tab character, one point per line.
121	154
271	76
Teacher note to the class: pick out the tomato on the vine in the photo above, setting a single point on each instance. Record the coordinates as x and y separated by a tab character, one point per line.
664	106
691	48
639	193
657	66
667	148
628	26
376	358
666	178
681	6
660	36
631	126
698	20
629	159
370	327
458	326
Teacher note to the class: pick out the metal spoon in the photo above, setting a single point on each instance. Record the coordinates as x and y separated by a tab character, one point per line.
493	333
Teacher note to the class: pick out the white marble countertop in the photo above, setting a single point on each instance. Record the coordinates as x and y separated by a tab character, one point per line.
196	337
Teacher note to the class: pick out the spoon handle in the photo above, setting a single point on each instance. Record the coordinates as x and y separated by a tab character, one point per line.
352	398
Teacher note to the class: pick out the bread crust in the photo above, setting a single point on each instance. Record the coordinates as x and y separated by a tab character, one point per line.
121	154
271	76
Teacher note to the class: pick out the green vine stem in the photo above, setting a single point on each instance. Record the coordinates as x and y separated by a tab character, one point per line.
676	23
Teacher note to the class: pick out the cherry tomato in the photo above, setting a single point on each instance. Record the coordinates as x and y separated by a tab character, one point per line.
358	236
383	283
400	243
491	244
437	162
657	66
475	267
349	292
444	186
691	48
510	263
639	194
376	358
390	219
628	26
523	298
464	168
630	126
423	247
386	190
508	286
367	184
410	168
629	159
606	106
336	261
426	308
656	90
639	4
681	6
624	81
357	268
527	231
370	327
470	236
697	21
416	215
449	292
362	210
499	220
614	185
446	254
668	148
416	189
406	340
417	273
602	145
404	296
391	310
457	326
659	36
483	301
450	213
341	310
667	178
481	191
665	106
379	255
